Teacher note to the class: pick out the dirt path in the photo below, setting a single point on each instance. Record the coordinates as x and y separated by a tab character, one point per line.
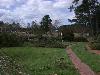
82	67
93	51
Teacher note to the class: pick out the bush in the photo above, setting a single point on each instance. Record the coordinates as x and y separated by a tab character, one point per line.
27	44
80	39
54	44
10	40
68	36
96	46
98	38
48	42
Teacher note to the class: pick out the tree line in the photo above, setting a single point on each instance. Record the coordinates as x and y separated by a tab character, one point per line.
87	14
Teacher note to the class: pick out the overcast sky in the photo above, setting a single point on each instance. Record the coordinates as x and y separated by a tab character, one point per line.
25	11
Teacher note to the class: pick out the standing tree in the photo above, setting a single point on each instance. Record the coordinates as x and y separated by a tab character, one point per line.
57	23
67	32
86	14
46	24
1	26
28	25
36	28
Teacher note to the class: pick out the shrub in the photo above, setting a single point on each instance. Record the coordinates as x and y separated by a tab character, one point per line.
68	36
96	46
27	44
10	40
80	39
55	44
98	38
48	42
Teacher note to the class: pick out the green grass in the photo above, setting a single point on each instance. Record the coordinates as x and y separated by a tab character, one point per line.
93	60
42	61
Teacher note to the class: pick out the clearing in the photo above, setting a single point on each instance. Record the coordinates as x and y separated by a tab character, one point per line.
42	61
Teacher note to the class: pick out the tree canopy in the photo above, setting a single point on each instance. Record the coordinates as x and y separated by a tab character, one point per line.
87	14
46	24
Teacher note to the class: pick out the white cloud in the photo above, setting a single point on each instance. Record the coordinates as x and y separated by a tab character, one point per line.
34	10
6	3
63	3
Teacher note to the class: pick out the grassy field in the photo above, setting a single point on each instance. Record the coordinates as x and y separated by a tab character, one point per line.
42	61
91	59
